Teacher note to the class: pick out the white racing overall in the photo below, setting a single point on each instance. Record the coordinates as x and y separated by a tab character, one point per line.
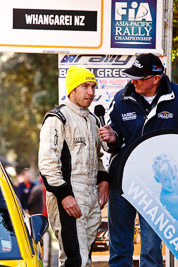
70	164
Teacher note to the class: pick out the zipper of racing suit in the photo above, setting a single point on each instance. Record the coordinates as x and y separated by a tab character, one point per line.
88	125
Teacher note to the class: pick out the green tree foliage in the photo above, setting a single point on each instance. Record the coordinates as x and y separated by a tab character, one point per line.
28	89
175	42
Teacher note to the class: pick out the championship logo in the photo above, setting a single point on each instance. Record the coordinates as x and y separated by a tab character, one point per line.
133	24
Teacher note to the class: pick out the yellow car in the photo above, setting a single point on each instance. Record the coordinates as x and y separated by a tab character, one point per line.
19	233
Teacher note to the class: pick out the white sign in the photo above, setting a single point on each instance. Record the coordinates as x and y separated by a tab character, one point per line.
150	183
87	27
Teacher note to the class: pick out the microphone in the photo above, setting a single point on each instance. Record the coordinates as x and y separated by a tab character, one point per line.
100	112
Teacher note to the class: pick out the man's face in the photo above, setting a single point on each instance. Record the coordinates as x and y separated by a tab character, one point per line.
27	177
83	95
145	87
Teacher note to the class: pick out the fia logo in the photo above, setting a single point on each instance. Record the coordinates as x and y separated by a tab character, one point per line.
137	12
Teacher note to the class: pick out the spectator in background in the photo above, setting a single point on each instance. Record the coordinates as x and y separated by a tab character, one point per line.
40	181
37	205
24	188
36	199
47	236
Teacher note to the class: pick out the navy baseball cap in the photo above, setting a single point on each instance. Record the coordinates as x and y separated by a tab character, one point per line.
145	64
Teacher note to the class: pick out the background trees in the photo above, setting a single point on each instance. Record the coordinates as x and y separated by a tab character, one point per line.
28	89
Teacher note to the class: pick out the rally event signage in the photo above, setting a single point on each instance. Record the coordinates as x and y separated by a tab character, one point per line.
133	22
150	182
85	27
42	19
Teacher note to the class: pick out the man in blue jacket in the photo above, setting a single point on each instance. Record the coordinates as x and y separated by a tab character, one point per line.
147	103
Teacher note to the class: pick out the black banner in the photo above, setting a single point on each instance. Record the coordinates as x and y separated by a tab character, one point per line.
67	20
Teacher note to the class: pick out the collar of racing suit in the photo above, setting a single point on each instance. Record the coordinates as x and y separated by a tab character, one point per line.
80	111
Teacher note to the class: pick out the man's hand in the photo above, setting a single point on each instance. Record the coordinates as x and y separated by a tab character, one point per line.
107	134
103	193
71	207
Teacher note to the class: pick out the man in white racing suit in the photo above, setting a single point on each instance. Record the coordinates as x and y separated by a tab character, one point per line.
71	167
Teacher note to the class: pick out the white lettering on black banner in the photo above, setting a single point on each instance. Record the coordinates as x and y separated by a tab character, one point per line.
54	19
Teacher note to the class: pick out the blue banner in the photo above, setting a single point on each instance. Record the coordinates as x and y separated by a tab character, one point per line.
150	183
133	24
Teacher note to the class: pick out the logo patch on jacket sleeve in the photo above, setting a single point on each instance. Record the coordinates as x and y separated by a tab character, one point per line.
79	140
165	115
129	116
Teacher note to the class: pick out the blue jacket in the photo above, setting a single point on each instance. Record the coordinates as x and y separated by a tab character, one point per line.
131	120
23	193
